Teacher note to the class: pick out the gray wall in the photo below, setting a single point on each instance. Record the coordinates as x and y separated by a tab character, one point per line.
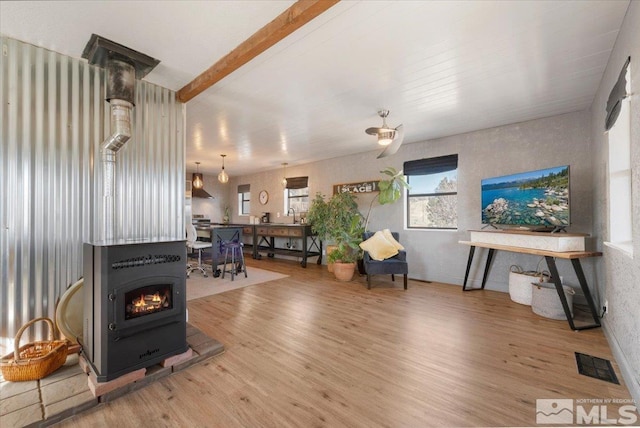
53	118
619	279
436	255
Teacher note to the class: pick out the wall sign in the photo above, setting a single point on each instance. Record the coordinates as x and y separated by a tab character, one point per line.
360	187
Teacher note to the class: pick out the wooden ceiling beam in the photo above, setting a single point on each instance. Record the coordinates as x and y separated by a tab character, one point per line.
284	24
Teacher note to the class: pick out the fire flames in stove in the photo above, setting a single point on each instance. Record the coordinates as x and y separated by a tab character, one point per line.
148	303
147	300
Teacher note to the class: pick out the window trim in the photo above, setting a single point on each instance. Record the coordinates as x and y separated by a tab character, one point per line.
620	227
429	166
288	198
242	190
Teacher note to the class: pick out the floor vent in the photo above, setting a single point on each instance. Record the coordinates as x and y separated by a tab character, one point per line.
596	367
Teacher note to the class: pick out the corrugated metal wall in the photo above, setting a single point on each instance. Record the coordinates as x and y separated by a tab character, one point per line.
53	118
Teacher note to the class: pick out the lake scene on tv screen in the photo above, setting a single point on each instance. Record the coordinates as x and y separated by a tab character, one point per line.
535	198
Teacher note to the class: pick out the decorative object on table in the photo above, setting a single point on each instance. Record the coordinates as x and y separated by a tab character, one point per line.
196	179
227	214
383	254
546	302
389	137
263	197
34	360
520	283
223	177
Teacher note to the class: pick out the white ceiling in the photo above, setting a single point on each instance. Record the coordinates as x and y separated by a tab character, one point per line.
441	67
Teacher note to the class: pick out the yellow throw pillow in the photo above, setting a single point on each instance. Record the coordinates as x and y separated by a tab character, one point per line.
387	234
378	247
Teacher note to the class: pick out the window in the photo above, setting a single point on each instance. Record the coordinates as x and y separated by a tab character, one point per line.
619	174
296	194
244	199
432	200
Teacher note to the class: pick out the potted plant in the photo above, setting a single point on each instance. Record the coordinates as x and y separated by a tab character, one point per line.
390	190
348	250
227	214
318	217
329	218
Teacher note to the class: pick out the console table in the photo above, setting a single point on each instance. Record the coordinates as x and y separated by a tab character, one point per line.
264	240
550	257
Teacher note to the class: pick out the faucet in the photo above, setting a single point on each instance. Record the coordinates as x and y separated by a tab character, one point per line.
291	210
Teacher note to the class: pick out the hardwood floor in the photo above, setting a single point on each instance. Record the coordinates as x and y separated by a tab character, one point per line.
308	351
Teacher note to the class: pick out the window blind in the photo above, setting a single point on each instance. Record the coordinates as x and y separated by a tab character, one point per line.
243	188
618	93
431	165
297	182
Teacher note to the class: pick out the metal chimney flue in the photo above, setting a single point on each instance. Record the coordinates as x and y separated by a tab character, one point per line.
121	80
123	66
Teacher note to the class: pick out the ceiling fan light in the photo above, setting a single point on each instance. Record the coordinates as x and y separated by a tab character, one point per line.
385	138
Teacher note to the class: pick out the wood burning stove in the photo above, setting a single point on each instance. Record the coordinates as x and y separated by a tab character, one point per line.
135	305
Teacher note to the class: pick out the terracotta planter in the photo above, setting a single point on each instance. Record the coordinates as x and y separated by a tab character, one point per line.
344	271
330	249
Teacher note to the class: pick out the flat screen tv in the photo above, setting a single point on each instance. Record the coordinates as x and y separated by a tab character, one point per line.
535	200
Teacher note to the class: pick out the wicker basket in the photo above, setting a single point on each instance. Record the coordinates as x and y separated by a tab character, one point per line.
36	360
546	302
520	283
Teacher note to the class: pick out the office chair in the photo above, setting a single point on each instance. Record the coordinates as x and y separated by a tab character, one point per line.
193	244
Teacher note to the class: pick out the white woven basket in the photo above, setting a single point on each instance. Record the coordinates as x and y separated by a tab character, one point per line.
546	302
520	284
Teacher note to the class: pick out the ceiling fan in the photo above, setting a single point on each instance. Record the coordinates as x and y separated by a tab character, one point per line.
389	137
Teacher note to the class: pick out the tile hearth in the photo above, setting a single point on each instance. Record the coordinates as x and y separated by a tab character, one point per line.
66	392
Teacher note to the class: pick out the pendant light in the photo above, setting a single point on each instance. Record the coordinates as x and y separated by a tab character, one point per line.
284	174
196	180
223	177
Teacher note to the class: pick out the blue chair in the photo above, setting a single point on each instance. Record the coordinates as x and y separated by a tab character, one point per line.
396	265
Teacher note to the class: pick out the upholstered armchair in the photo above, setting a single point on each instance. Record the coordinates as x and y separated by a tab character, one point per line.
394	265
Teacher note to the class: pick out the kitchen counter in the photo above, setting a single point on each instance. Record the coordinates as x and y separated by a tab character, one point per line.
216	234
263	239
